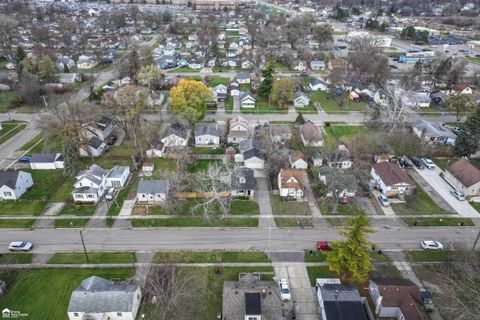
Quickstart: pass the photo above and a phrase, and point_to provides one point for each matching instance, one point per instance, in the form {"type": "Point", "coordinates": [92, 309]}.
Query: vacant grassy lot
{"type": "Point", "coordinates": [202, 165]}
{"type": "Point", "coordinates": [209, 257]}
{"type": "Point", "coordinates": [116, 155]}
{"type": "Point", "coordinates": [281, 207]}
{"type": "Point", "coordinates": [328, 102]}
{"type": "Point", "coordinates": [93, 257]}
{"type": "Point", "coordinates": [162, 165]}
{"type": "Point", "coordinates": [215, 81]}
{"type": "Point", "coordinates": [15, 223]}
{"type": "Point", "coordinates": [263, 106]}
{"type": "Point", "coordinates": [244, 207]}
{"type": "Point", "coordinates": [337, 131]}
{"type": "Point", "coordinates": [443, 163]}
{"type": "Point", "coordinates": [15, 258]}
{"type": "Point", "coordinates": [70, 223]}
{"type": "Point", "coordinates": [45, 293]}
{"type": "Point", "coordinates": [438, 222]}
{"type": "Point", "coordinates": [326, 207]}
{"type": "Point", "coordinates": [78, 210]}
{"type": "Point", "coordinates": [45, 184]}
{"type": "Point", "coordinates": [22, 208]}
{"type": "Point", "coordinates": [195, 222]}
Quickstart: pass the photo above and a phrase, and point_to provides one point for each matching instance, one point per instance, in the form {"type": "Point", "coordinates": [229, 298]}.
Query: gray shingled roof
{"type": "Point", "coordinates": [248, 144]}
{"type": "Point", "coordinates": [94, 142]}
{"type": "Point", "coordinates": [46, 157]}
{"type": "Point", "coordinates": [176, 129]}
{"type": "Point", "coordinates": [252, 153]}
{"type": "Point", "coordinates": [8, 178]}
{"type": "Point", "coordinates": [99, 295]}
{"type": "Point", "coordinates": [433, 129]}
{"type": "Point", "coordinates": [206, 128]}
{"type": "Point", "coordinates": [117, 171]}
{"type": "Point", "coordinates": [153, 186]}
{"type": "Point", "coordinates": [246, 173]}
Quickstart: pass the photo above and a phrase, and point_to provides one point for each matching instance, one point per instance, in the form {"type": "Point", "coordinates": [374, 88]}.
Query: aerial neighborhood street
{"type": "Point", "coordinates": [239, 159]}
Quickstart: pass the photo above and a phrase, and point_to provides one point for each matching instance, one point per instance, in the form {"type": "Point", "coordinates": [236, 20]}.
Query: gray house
{"type": "Point", "coordinates": [243, 182]}
{"type": "Point", "coordinates": [434, 133]}
{"type": "Point", "coordinates": [206, 135]}
{"type": "Point", "coordinates": [152, 191]}
{"type": "Point", "coordinates": [13, 184]}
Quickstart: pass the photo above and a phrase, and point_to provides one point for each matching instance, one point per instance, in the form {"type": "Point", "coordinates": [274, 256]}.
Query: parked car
{"type": "Point", "coordinates": [428, 163]}
{"type": "Point", "coordinates": [285, 294]}
{"type": "Point", "coordinates": [432, 245]}
{"type": "Point", "coordinates": [427, 302]}
{"type": "Point", "coordinates": [111, 193]}
{"type": "Point", "coordinates": [111, 140]}
{"type": "Point", "coordinates": [392, 66]}
{"type": "Point", "coordinates": [343, 200]}
{"type": "Point", "coordinates": [25, 159]}
{"type": "Point", "coordinates": [383, 200]}
{"type": "Point", "coordinates": [324, 246]}
{"type": "Point", "coordinates": [20, 246]}
{"type": "Point", "coordinates": [404, 162]}
{"type": "Point", "coordinates": [417, 162]}
{"type": "Point", "coordinates": [458, 194]}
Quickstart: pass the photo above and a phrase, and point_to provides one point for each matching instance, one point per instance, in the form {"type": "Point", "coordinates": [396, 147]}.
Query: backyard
{"type": "Point", "coordinates": [281, 207]}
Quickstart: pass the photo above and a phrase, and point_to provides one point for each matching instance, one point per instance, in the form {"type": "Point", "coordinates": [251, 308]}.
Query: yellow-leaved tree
{"type": "Point", "coordinates": [189, 100]}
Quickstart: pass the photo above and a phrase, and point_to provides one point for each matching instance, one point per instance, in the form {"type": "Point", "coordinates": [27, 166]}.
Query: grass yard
{"type": "Point", "coordinates": [32, 143]}
{"type": "Point", "coordinates": [438, 222]}
{"type": "Point", "coordinates": [45, 184]}
{"type": "Point", "coordinates": [215, 81]}
{"type": "Point", "coordinates": [476, 206]}
{"type": "Point", "coordinates": [78, 210]}
{"type": "Point", "coordinates": [232, 33]}
{"type": "Point", "coordinates": [195, 222]}
{"type": "Point", "coordinates": [319, 272]}
{"type": "Point", "coordinates": [64, 192]}
{"type": "Point", "coordinates": [474, 60]}
{"type": "Point", "coordinates": [5, 99]}
{"type": "Point", "coordinates": [428, 255]}
{"type": "Point", "coordinates": [263, 106]}
{"type": "Point", "coordinates": [443, 163]}
{"type": "Point", "coordinates": [70, 223]}
{"type": "Point", "coordinates": [317, 256]}
{"type": "Point", "coordinates": [281, 207]}
{"type": "Point", "coordinates": [16, 223]}
{"type": "Point", "coordinates": [22, 208]}
{"type": "Point", "coordinates": [310, 109]}
{"type": "Point", "coordinates": [337, 131]}
{"type": "Point", "coordinates": [202, 165]}
{"type": "Point", "coordinates": [124, 194]}
{"type": "Point", "coordinates": [326, 208]}
{"type": "Point", "coordinates": [293, 223]}
{"type": "Point", "coordinates": [244, 207]}
{"type": "Point", "coordinates": [229, 104]}
{"type": "Point", "coordinates": [161, 165]}
{"type": "Point", "coordinates": [328, 102]}
{"type": "Point", "coordinates": [209, 256]}
{"type": "Point", "coordinates": [15, 258]}
{"type": "Point", "coordinates": [10, 129]}
{"type": "Point", "coordinates": [93, 257]}
{"type": "Point", "coordinates": [116, 155]}
{"type": "Point", "coordinates": [45, 293]}
{"type": "Point", "coordinates": [207, 150]}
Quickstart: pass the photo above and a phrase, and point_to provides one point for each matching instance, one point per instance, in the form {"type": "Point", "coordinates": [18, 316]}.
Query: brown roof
{"type": "Point", "coordinates": [391, 173]}
{"type": "Point", "coordinates": [310, 132]}
{"type": "Point", "coordinates": [297, 155]}
{"type": "Point", "coordinates": [459, 86]}
{"type": "Point", "coordinates": [401, 293]}
{"type": "Point", "coordinates": [287, 174]}
{"type": "Point", "coordinates": [465, 172]}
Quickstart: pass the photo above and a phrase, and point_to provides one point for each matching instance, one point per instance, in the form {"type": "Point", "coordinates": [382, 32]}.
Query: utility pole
{"type": "Point", "coordinates": [84, 248]}
{"type": "Point", "coordinates": [476, 241]}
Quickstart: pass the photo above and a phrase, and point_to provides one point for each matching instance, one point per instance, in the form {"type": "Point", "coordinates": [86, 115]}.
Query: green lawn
{"type": "Point", "coordinates": [45, 184]}
{"type": "Point", "coordinates": [440, 222]}
{"type": "Point", "coordinates": [326, 207]}
{"type": "Point", "coordinates": [281, 207]}
{"type": "Point", "coordinates": [476, 206]}
{"type": "Point", "coordinates": [443, 163]}
{"type": "Point", "coordinates": [215, 81]}
{"type": "Point", "coordinates": [207, 150]}
{"type": "Point", "coordinates": [93, 257]}
{"type": "Point", "coordinates": [10, 129]}
{"type": "Point", "coordinates": [70, 223]}
{"type": "Point", "coordinates": [263, 106]}
{"type": "Point", "coordinates": [195, 222]}
{"type": "Point", "coordinates": [337, 131]}
{"type": "Point", "coordinates": [15, 258]}
{"type": "Point", "coordinates": [474, 60]}
{"type": "Point", "coordinates": [122, 196]}
{"type": "Point", "coordinates": [229, 104]}
{"type": "Point", "coordinates": [162, 165]}
{"type": "Point", "coordinates": [209, 257]}
{"type": "Point", "coordinates": [78, 210]}
{"type": "Point", "coordinates": [32, 143]}
{"type": "Point", "coordinates": [328, 102]}
{"type": "Point", "coordinates": [317, 256]}
{"type": "Point", "coordinates": [16, 223]}
{"type": "Point", "coordinates": [319, 272]}
{"type": "Point", "coordinates": [244, 207]}
{"type": "Point", "coordinates": [310, 109]}
{"type": "Point", "coordinates": [202, 165]}
{"type": "Point", "coordinates": [232, 33]}
{"type": "Point", "coordinates": [428, 255]}
{"type": "Point", "coordinates": [5, 99]}
{"type": "Point", "coordinates": [293, 223]}
{"type": "Point", "coordinates": [45, 293]}
{"type": "Point", "coordinates": [64, 192]}
{"type": "Point", "coordinates": [116, 155]}
{"type": "Point", "coordinates": [22, 207]}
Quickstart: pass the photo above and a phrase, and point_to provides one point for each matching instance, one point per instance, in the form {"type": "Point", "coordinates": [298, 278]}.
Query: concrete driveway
{"type": "Point", "coordinates": [463, 208]}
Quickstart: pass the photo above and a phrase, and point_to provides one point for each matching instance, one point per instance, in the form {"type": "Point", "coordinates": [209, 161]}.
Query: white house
{"type": "Point", "coordinates": [317, 65]}
{"type": "Point", "coordinates": [86, 62]}
{"type": "Point", "coordinates": [243, 78]}
{"type": "Point", "coordinates": [300, 66]}
{"type": "Point", "coordinates": [97, 298]}
{"type": "Point", "coordinates": [206, 135]}
{"type": "Point", "coordinates": [13, 184]}
{"type": "Point", "coordinates": [176, 135]}
{"type": "Point", "coordinates": [434, 133]}
{"type": "Point", "coordinates": [290, 183]}
{"type": "Point", "coordinates": [46, 161]}
{"type": "Point", "coordinates": [117, 176]}
{"type": "Point", "coordinates": [239, 130]}
{"type": "Point", "coordinates": [67, 78]}
{"type": "Point", "coordinates": [247, 100]}
{"type": "Point", "coordinates": [152, 191]}
{"type": "Point", "coordinates": [96, 148]}
{"type": "Point", "coordinates": [300, 100]}
{"type": "Point", "coordinates": [253, 159]}
{"type": "Point", "coordinates": [464, 176]}
{"type": "Point", "coordinates": [298, 161]}
{"type": "Point", "coordinates": [389, 178]}
{"type": "Point", "coordinates": [318, 85]}
{"type": "Point", "coordinates": [219, 92]}
{"type": "Point", "coordinates": [156, 151]}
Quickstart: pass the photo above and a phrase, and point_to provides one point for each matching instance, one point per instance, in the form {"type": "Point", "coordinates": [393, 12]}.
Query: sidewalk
{"type": "Point", "coordinates": [52, 210]}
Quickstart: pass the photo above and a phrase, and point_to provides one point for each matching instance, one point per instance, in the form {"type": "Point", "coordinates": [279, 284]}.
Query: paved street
{"type": "Point", "coordinates": [8, 150]}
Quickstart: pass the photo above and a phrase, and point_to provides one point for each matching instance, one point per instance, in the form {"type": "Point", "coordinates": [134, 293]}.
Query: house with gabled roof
{"type": "Point", "coordinates": [390, 179]}
{"type": "Point", "coordinates": [311, 135]}
{"type": "Point", "coordinates": [175, 135]}
{"type": "Point", "coordinates": [464, 176]}
{"type": "Point", "coordinates": [300, 100]}
{"type": "Point", "coordinates": [238, 131]}
{"type": "Point", "coordinates": [243, 182]}
{"type": "Point", "coordinates": [13, 184]}
{"type": "Point", "coordinates": [47, 161]}
{"type": "Point", "coordinates": [290, 183]}
{"type": "Point", "coordinates": [207, 135]}
{"type": "Point", "coordinates": [247, 100]}
{"type": "Point", "coordinates": [253, 159]}
{"type": "Point", "coordinates": [152, 191]}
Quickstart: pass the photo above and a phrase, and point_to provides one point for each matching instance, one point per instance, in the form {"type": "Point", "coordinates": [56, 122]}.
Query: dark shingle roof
{"type": "Point", "coordinates": [249, 179]}
{"type": "Point", "coordinates": [153, 186]}
{"type": "Point", "coordinates": [252, 153]}
{"type": "Point", "coordinates": [465, 172]}
{"type": "Point", "coordinates": [206, 128]}
{"type": "Point", "coordinates": [8, 178]}
{"type": "Point", "coordinates": [176, 129]}
{"type": "Point", "coordinates": [253, 304]}
{"type": "Point", "coordinates": [46, 157]}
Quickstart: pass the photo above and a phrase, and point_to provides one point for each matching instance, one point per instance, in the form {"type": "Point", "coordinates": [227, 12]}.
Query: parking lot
{"type": "Point", "coordinates": [432, 176]}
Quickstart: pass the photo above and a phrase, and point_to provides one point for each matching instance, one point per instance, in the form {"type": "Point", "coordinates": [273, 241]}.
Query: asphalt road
{"type": "Point", "coordinates": [57, 240]}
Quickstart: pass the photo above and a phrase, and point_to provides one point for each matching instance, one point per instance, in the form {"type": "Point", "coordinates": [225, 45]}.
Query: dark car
{"type": "Point", "coordinates": [111, 140]}
{"type": "Point", "coordinates": [25, 159]}
{"type": "Point", "coordinates": [417, 162]}
{"type": "Point", "coordinates": [404, 162]}
{"type": "Point", "coordinates": [393, 66]}
{"type": "Point", "coordinates": [427, 302]}
{"type": "Point", "coordinates": [324, 246]}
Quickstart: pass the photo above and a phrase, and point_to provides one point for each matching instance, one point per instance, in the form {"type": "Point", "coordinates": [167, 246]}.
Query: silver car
{"type": "Point", "coordinates": [458, 194]}
{"type": "Point", "coordinates": [20, 246]}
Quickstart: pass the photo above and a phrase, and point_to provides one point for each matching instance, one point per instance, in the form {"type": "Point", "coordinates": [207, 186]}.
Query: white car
{"type": "Point", "coordinates": [111, 193]}
{"type": "Point", "coordinates": [432, 245]}
{"type": "Point", "coordinates": [20, 246]}
{"type": "Point", "coordinates": [428, 163]}
{"type": "Point", "coordinates": [383, 200]}
{"type": "Point", "coordinates": [285, 294]}
{"type": "Point", "coordinates": [459, 195]}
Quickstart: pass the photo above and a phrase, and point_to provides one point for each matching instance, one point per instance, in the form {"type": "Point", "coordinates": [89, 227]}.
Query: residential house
{"type": "Point", "coordinates": [157, 150]}
{"type": "Point", "coordinates": [46, 161]}
{"type": "Point", "coordinates": [253, 159]}
{"type": "Point", "coordinates": [248, 144]}
{"type": "Point", "coordinates": [96, 148]}
{"type": "Point", "coordinates": [176, 135]}
{"type": "Point", "coordinates": [86, 62]}
{"type": "Point", "coordinates": [464, 176]}
{"type": "Point", "coordinates": [300, 66]}
{"type": "Point", "coordinates": [290, 183]}
{"type": "Point", "coordinates": [152, 191]}
{"type": "Point", "coordinates": [239, 130]}
{"type": "Point", "coordinates": [247, 64]}
{"type": "Point", "coordinates": [155, 99]}
{"type": "Point", "coordinates": [438, 97]}
{"type": "Point", "coordinates": [397, 298]}
{"type": "Point", "coordinates": [416, 99]}
{"type": "Point", "coordinates": [316, 65]}
{"type": "Point", "coordinates": [243, 78]}
{"type": "Point", "coordinates": [311, 135]}
{"type": "Point", "coordinates": [13, 184]}
{"type": "Point", "coordinates": [234, 89]}
{"type": "Point", "coordinates": [64, 63]}
{"type": "Point", "coordinates": [97, 298]}
{"type": "Point", "coordinates": [298, 160]}
{"type": "Point", "coordinates": [102, 127]}
{"type": "Point", "coordinates": [68, 78]}
{"type": "Point", "coordinates": [117, 176]}
{"type": "Point", "coordinates": [280, 133]}
{"type": "Point", "coordinates": [251, 299]}
{"type": "Point", "coordinates": [345, 183]}
{"type": "Point", "coordinates": [220, 92]}
{"type": "Point", "coordinates": [300, 100]}
{"type": "Point", "coordinates": [340, 159]}
{"type": "Point", "coordinates": [206, 135]}
{"type": "Point", "coordinates": [390, 179]}
{"type": "Point", "coordinates": [243, 182]}
{"type": "Point", "coordinates": [247, 100]}
{"type": "Point", "coordinates": [340, 301]}
{"type": "Point", "coordinates": [318, 85]}
{"type": "Point", "coordinates": [434, 133]}
{"type": "Point", "coordinates": [461, 88]}
{"type": "Point", "coordinates": [195, 64]}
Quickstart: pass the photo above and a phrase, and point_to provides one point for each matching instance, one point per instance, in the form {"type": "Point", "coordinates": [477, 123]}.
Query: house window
{"type": "Point", "coordinates": [7, 194]}
{"type": "Point", "coordinates": [90, 196]}
{"type": "Point", "coordinates": [119, 314]}
{"type": "Point", "coordinates": [79, 196]}
{"type": "Point", "coordinates": [75, 314]}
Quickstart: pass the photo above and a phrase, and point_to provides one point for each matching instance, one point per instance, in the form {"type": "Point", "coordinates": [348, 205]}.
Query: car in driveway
{"type": "Point", "coordinates": [417, 162]}
{"type": "Point", "coordinates": [383, 200]}
{"type": "Point", "coordinates": [324, 246]}
{"type": "Point", "coordinates": [459, 195]}
{"type": "Point", "coordinates": [25, 159]}
{"type": "Point", "coordinates": [431, 245]}
{"type": "Point", "coordinates": [427, 302]}
{"type": "Point", "coordinates": [428, 163]}
{"type": "Point", "coordinates": [111, 193]}
{"type": "Point", "coordinates": [285, 294]}
{"type": "Point", "coordinates": [20, 246]}
{"type": "Point", "coordinates": [111, 140]}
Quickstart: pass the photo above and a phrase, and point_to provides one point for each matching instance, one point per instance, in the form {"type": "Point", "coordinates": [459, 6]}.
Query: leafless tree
{"type": "Point", "coordinates": [8, 30]}
{"type": "Point", "coordinates": [207, 33]}
{"type": "Point", "coordinates": [173, 291]}
{"type": "Point", "coordinates": [392, 109]}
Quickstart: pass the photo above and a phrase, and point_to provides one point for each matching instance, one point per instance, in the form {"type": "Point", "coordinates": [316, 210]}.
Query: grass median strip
{"type": "Point", "coordinates": [6, 134]}
{"type": "Point", "coordinates": [70, 223]}
{"type": "Point", "coordinates": [15, 258]}
{"type": "Point", "coordinates": [293, 223]}
{"type": "Point", "coordinates": [16, 223]}
{"type": "Point", "coordinates": [209, 257]}
{"type": "Point", "coordinates": [195, 222]}
{"type": "Point", "coordinates": [438, 222]}
{"type": "Point", "coordinates": [93, 257]}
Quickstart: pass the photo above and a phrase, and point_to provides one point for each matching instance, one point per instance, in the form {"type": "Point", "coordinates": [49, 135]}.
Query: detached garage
{"type": "Point", "coordinates": [47, 161]}
{"type": "Point", "coordinates": [253, 159]}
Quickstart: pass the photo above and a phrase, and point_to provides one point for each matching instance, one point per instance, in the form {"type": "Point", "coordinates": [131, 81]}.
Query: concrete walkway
{"type": "Point", "coordinates": [312, 203]}
{"type": "Point", "coordinates": [52, 209]}
{"type": "Point", "coordinates": [41, 258]}
{"type": "Point", "coordinates": [100, 212]}
{"type": "Point", "coordinates": [143, 267]}
{"type": "Point", "coordinates": [126, 211]}
{"type": "Point", "coordinates": [262, 195]}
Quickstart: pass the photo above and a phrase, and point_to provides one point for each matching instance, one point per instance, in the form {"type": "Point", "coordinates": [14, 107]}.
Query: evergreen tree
{"type": "Point", "coordinates": [72, 164]}
{"type": "Point", "coordinates": [20, 56]}
{"type": "Point", "coordinates": [468, 140]}
{"type": "Point", "coordinates": [266, 86]}
{"type": "Point", "coordinates": [300, 120]}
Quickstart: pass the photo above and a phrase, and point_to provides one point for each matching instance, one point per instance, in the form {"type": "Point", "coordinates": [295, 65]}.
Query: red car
{"type": "Point", "coordinates": [324, 246]}
{"type": "Point", "coordinates": [343, 200]}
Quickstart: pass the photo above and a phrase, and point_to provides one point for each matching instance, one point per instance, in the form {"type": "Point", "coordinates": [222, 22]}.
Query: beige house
{"type": "Point", "coordinates": [464, 176]}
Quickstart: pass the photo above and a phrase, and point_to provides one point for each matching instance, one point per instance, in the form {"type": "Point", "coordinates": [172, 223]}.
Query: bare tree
{"type": "Point", "coordinates": [8, 30]}
{"type": "Point", "coordinates": [392, 109]}
{"type": "Point", "coordinates": [207, 33]}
